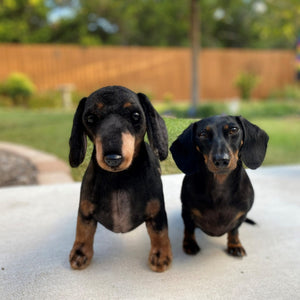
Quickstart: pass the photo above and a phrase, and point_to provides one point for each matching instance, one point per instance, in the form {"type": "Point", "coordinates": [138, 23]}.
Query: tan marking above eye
{"type": "Point", "coordinates": [100, 105]}
{"type": "Point", "coordinates": [127, 104]}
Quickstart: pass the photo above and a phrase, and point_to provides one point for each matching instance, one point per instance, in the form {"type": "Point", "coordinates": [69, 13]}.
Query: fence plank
{"type": "Point", "coordinates": [156, 71]}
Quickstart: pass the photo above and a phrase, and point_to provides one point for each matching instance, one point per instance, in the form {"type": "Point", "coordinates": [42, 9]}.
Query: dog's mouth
{"type": "Point", "coordinates": [219, 171]}
{"type": "Point", "coordinates": [116, 161]}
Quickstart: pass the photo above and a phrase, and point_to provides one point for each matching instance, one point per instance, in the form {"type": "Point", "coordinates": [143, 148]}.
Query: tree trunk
{"type": "Point", "coordinates": [194, 27]}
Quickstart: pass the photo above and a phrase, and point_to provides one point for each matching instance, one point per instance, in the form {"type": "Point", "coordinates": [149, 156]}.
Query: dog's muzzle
{"type": "Point", "coordinates": [221, 160]}
{"type": "Point", "coordinates": [113, 160]}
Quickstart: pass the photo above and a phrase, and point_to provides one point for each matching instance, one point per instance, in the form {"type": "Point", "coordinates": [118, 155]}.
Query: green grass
{"type": "Point", "coordinates": [50, 130]}
{"type": "Point", "coordinates": [284, 143]}
{"type": "Point", "coordinates": [45, 130]}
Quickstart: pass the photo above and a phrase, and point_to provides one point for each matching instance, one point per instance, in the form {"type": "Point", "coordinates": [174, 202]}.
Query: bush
{"type": "Point", "coordinates": [49, 99]}
{"type": "Point", "coordinates": [18, 87]}
{"type": "Point", "coordinates": [182, 110]}
{"type": "Point", "coordinates": [5, 101]}
{"type": "Point", "coordinates": [254, 109]}
{"type": "Point", "coordinates": [209, 109]}
{"type": "Point", "coordinates": [246, 82]}
{"type": "Point", "coordinates": [269, 109]}
{"type": "Point", "coordinates": [289, 92]}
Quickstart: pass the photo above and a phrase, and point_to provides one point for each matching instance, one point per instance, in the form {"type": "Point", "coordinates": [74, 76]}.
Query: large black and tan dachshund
{"type": "Point", "coordinates": [121, 187]}
{"type": "Point", "coordinates": [216, 193]}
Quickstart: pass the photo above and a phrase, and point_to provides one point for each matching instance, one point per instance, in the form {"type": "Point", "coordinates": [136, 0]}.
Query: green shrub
{"type": "Point", "coordinates": [246, 82]}
{"type": "Point", "coordinates": [18, 87]}
{"type": "Point", "coordinates": [209, 109]}
{"type": "Point", "coordinates": [289, 92]}
{"type": "Point", "coordinates": [269, 109]}
{"type": "Point", "coordinates": [77, 96]}
{"type": "Point", "coordinates": [49, 99]}
{"type": "Point", "coordinates": [261, 109]}
{"type": "Point", "coordinates": [182, 110]}
{"type": "Point", "coordinates": [5, 101]}
{"type": "Point", "coordinates": [168, 98]}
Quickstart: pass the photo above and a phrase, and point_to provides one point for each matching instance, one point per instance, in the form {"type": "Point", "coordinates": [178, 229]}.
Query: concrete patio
{"type": "Point", "coordinates": [37, 229]}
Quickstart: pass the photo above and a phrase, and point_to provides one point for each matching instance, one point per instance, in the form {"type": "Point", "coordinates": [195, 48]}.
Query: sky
{"type": "Point", "coordinates": [60, 12]}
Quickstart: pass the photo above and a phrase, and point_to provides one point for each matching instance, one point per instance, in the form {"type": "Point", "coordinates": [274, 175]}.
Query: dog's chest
{"type": "Point", "coordinates": [216, 221]}
{"type": "Point", "coordinates": [117, 211]}
{"type": "Point", "coordinates": [121, 211]}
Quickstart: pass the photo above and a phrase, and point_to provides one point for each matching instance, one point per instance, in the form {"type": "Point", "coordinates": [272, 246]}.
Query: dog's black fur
{"type": "Point", "coordinates": [216, 192]}
{"type": "Point", "coordinates": [121, 187]}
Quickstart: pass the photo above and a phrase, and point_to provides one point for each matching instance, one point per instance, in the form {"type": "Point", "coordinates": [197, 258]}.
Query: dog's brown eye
{"type": "Point", "coordinates": [91, 119]}
{"type": "Point", "coordinates": [136, 116]}
{"type": "Point", "coordinates": [233, 130]}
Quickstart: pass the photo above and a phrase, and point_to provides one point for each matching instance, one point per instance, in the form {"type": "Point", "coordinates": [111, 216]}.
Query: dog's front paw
{"type": "Point", "coordinates": [160, 259]}
{"type": "Point", "coordinates": [190, 247]}
{"type": "Point", "coordinates": [236, 250]}
{"type": "Point", "coordinates": [80, 256]}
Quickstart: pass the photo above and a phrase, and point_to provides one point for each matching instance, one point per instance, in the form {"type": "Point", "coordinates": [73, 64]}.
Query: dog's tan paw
{"type": "Point", "coordinates": [236, 250]}
{"type": "Point", "coordinates": [80, 256]}
{"type": "Point", "coordinates": [160, 259]}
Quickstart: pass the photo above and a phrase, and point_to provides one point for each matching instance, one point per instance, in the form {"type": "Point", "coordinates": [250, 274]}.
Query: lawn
{"type": "Point", "coordinates": [49, 131]}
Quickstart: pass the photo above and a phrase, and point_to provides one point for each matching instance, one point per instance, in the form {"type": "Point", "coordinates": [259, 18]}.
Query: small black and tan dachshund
{"type": "Point", "coordinates": [121, 187]}
{"type": "Point", "coordinates": [216, 192]}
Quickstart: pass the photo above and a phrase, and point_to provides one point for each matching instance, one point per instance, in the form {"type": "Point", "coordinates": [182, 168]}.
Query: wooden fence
{"type": "Point", "coordinates": [156, 71]}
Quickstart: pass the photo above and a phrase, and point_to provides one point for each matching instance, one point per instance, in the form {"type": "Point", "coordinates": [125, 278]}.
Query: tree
{"type": "Point", "coordinates": [224, 23]}
{"type": "Point", "coordinates": [281, 26]}
{"type": "Point", "coordinates": [138, 22]}
{"type": "Point", "coordinates": [250, 24]}
{"type": "Point", "coordinates": [23, 21]}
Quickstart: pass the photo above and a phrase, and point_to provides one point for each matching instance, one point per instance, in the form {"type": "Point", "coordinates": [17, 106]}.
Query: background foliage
{"type": "Point", "coordinates": [224, 23]}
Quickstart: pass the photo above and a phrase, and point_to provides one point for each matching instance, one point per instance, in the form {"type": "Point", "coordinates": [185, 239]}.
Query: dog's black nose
{"type": "Point", "coordinates": [221, 160]}
{"type": "Point", "coordinates": [113, 160]}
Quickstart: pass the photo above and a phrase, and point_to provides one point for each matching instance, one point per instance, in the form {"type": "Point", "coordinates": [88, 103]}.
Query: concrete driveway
{"type": "Point", "coordinates": [37, 229]}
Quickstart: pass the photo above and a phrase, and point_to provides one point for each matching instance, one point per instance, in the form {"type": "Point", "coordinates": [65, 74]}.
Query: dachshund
{"type": "Point", "coordinates": [216, 193]}
{"type": "Point", "coordinates": [121, 187]}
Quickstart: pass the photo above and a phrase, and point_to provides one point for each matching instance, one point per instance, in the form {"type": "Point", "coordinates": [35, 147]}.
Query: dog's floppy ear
{"type": "Point", "coordinates": [78, 142]}
{"type": "Point", "coordinates": [156, 128]}
{"type": "Point", "coordinates": [184, 151]}
{"type": "Point", "coordinates": [254, 146]}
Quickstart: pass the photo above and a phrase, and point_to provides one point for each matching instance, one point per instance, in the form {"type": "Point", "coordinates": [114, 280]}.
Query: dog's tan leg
{"type": "Point", "coordinates": [160, 257]}
{"type": "Point", "coordinates": [82, 251]}
{"type": "Point", "coordinates": [234, 246]}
